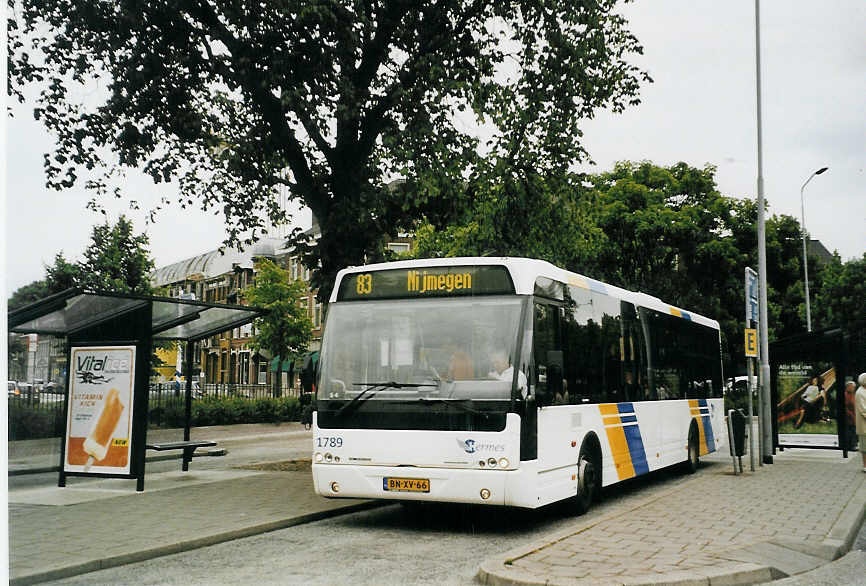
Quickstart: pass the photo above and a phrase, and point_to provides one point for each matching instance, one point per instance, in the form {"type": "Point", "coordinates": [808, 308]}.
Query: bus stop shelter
{"type": "Point", "coordinates": [812, 377]}
{"type": "Point", "coordinates": [109, 343]}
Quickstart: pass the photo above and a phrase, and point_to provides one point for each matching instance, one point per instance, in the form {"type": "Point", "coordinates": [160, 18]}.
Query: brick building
{"type": "Point", "coordinates": [220, 278]}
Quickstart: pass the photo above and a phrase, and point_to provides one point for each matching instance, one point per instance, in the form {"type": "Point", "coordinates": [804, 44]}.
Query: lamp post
{"type": "Point", "coordinates": [765, 422]}
{"type": "Point", "coordinates": [805, 257]}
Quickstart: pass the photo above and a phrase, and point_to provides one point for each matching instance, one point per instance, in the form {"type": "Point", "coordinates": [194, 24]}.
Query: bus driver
{"type": "Point", "coordinates": [502, 370]}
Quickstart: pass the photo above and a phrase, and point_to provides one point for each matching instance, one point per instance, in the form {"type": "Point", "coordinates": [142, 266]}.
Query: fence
{"type": "Point", "coordinates": [40, 414]}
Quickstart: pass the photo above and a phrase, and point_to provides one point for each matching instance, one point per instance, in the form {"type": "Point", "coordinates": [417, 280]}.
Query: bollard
{"type": "Point", "coordinates": [737, 438]}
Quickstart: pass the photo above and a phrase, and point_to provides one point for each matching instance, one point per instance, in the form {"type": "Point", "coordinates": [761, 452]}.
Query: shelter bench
{"type": "Point", "coordinates": [188, 447]}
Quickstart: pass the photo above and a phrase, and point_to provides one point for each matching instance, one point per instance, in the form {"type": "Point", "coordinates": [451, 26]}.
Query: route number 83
{"type": "Point", "coordinates": [364, 284]}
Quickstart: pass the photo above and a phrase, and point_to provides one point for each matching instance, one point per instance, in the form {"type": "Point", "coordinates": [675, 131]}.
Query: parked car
{"type": "Point", "coordinates": [22, 391]}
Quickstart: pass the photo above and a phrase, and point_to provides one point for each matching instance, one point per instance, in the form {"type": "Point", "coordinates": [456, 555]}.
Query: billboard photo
{"type": "Point", "coordinates": [99, 424]}
{"type": "Point", "coordinates": [807, 401]}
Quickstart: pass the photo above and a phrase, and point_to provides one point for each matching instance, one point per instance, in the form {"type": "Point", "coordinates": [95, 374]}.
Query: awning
{"type": "Point", "coordinates": [171, 319]}
{"type": "Point", "coordinates": [287, 364]}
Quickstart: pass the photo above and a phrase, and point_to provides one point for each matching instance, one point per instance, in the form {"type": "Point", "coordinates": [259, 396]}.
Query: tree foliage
{"type": "Point", "coordinates": [62, 275]}
{"type": "Point", "coordinates": [328, 100]}
{"type": "Point", "coordinates": [28, 294]}
{"type": "Point", "coordinates": [666, 231]}
{"type": "Point", "coordinates": [116, 260]}
{"type": "Point", "coordinates": [517, 212]}
{"type": "Point", "coordinates": [285, 330]}
{"type": "Point", "coordinates": [841, 298]}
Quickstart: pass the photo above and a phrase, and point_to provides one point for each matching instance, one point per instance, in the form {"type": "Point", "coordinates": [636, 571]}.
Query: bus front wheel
{"type": "Point", "coordinates": [588, 477]}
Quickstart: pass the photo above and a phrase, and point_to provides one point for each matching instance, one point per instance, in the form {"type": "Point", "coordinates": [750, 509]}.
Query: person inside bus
{"type": "Point", "coordinates": [460, 365]}
{"type": "Point", "coordinates": [502, 370]}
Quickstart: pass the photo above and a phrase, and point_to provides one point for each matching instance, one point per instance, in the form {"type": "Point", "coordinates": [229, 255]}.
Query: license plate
{"type": "Point", "coordinates": [406, 484]}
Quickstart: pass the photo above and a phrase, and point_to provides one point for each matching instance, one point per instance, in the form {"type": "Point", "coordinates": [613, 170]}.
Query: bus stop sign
{"type": "Point", "coordinates": [751, 343]}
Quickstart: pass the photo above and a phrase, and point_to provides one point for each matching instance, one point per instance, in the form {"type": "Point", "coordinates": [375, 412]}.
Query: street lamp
{"type": "Point", "coordinates": [805, 258]}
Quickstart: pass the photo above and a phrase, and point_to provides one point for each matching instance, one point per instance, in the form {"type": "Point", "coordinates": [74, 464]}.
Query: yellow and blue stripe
{"type": "Point", "coordinates": [701, 412]}
{"type": "Point", "coordinates": [624, 439]}
{"type": "Point", "coordinates": [680, 313]}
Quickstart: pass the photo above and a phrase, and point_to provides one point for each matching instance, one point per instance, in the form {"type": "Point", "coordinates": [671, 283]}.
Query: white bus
{"type": "Point", "coordinates": [506, 381]}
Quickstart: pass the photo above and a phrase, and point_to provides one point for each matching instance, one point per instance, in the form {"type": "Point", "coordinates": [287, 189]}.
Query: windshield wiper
{"type": "Point", "coordinates": [459, 403]}
{"type": "Point", "coordinates": [373, 389]}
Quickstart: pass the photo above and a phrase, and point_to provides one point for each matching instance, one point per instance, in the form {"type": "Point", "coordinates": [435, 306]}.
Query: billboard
{"type": "Point", "coordinates": [99, 424]}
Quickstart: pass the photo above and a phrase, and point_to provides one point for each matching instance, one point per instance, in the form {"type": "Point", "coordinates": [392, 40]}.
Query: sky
{"type": "Point", "coordinates": [700, 109]}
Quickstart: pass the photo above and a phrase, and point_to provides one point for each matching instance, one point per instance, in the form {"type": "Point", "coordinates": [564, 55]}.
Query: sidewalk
{"type": "Point", "coordinates": [784, 519]}
{"type": "Point", "coordinates": [43, 455]}
{"type": "Point", "coordinates": [99, 523]}
{"type": "Point", "coordinates": [713, 528]}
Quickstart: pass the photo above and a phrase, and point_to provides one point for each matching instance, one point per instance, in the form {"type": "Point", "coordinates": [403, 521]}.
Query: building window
{"type": "Point", "coordinates": [317, 316]}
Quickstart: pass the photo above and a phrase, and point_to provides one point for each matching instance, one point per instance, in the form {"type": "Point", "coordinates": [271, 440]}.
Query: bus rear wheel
{"type": "Point", "coordinates": [588, 479]}
{"type": "Point", "coordinates": [694, 456]}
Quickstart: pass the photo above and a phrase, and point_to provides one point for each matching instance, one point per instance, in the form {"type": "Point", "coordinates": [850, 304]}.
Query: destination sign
{"type": "Point", "coordinates": [426, 282]}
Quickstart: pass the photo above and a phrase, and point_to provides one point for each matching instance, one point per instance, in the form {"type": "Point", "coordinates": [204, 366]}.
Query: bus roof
{"type": "Point", "coordinates": [524, 272]}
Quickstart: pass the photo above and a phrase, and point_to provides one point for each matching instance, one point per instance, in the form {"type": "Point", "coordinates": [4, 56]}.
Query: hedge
{"type": "Point", "coordinates": [227, 411]}
{"type": "Point", "coordinates": [26, 422]}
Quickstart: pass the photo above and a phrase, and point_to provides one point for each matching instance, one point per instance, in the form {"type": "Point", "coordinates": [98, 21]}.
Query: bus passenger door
{"type": "Point", "coordinates": [554, 424]}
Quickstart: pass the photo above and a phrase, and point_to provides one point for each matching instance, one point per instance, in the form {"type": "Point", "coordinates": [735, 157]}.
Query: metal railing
{"type": "Point", "coordinates": [164, 402]}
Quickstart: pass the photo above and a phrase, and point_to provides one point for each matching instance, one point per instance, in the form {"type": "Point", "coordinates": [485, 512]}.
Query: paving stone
{"type": "Point", "coordinates": [679, 538]}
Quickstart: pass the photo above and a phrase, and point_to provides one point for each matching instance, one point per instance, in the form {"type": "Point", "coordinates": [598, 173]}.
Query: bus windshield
{"type": "Point", "coordinates": [454, 350]}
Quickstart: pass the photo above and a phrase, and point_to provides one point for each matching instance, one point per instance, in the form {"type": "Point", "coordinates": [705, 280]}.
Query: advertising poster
{"type": "Point", "coordinates": [99, 428]}
{"type": "Point", "coordinates": [807, 404]}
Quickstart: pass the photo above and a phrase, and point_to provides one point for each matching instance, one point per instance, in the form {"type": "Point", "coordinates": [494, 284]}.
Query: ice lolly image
{"type": "Point", "coordinates": [97, 442]}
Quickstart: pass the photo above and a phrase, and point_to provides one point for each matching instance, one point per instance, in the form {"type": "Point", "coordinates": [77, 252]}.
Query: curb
{"type": "Point", "coordinates": [139, 556]}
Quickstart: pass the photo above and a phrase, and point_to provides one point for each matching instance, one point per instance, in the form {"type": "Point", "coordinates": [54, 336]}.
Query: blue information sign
{"type": "Point", "coordinates": [751, 295]}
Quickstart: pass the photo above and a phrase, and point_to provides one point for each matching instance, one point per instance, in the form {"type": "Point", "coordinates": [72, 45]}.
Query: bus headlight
{"type": "Point", "coordinates": [485, 494]}
{"type": "Point", "coordinates": [491, 462]}
{"type": "Point", "coordinates": [318, 457]}
{"type": "Point", "coordinates": [328, 457]}
{"type": "Point", "coordinates": [335, 487]}
{"type": "Point", "coordinates": [503, 462]}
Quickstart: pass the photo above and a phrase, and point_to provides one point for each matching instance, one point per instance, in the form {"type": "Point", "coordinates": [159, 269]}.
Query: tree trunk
{"type": "Point", "coordinates": [278, 378]}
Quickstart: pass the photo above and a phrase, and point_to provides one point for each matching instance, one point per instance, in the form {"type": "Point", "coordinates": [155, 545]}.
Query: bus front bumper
{"type": "Point", "coordinates": [457, 485]}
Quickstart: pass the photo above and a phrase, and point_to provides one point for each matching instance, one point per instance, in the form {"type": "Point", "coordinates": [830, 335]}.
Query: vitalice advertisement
{"type": "Point", "coordinates": [99, 428]}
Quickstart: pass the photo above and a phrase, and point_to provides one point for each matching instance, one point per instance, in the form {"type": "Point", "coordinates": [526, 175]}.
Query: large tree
{"type": "Point", "coordinates": [327, 99]}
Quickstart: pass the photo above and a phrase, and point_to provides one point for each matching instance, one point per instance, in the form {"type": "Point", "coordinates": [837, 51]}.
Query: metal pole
{"type": "Point", "coordinates": [750, 389]}
{"type": "Point", "coordinates": [766, 450]}
{"type": "Point", "coordinates": [805, 257]}
{"type": "Point", "coordinates": [187, 411]}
